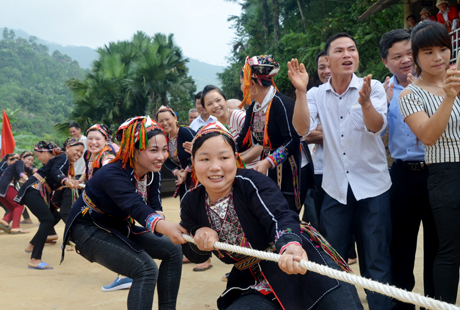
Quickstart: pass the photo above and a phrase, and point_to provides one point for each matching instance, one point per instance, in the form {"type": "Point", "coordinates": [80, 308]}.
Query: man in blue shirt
{"type": "Point", "coordinates": [409, 174]}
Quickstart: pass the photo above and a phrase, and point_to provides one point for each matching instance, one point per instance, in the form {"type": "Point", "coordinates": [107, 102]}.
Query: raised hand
{"type": "Point", "coordinates": [388, 89]}
{"type": "Point", "coordinates": [410, 78]}
{"type": "Point", "coordinates": [365, 92]}
{"type": "Point", "coordinates": [298, 75]}
{"type": "Point", "coordinates": [451, 84]}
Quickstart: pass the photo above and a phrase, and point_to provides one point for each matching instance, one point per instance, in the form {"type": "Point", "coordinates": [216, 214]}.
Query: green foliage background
{"type": "Point", "coordinates": [33, 83]}
{"type": "Point", "coordinates": [291, 36]}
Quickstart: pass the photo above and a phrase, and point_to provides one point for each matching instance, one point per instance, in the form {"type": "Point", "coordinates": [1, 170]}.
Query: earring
{"type": "Point", "coordinates": [257, 91]}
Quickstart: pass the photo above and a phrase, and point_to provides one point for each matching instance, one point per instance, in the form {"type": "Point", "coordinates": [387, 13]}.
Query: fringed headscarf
{"type": "Point", "coordinates": [105, 131]}
{"type": "Point", "coordinates": [47, 146]}
{"type": "Point", "coordinates": [9, 156]}
{"type": "Point", "coordinates": [26, 154]}
{"type": "Point", "coordinates": [215, 127]}
{"type": "Point", "coordinates": [72, 141]}
{"type": "Point", "coordinates": [165, 108]}
{"type": "Point", "coordinates": [263, 67]}
{"type": "Point", "coordinates": [131, 132]}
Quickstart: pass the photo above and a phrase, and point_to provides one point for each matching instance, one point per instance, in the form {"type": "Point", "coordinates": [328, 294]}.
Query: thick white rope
{"type": "Point", "coordinates": [372, 285]}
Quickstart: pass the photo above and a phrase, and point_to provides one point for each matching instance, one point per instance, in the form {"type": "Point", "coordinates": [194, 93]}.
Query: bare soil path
{"type": "Point", "coordinates": [76, 284]}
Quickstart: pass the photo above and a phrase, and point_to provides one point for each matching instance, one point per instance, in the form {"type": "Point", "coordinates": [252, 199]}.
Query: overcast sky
{"type": "Point", "coordinates": [200, 27]}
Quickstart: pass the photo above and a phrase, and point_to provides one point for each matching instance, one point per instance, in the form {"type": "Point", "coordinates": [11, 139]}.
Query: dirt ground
{"type": "Point", "coordinates": [76, 284]}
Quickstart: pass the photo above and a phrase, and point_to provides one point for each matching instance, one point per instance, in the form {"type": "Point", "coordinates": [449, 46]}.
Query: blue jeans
{"type": "Point", "coordinates": [97, 245]}
{"type": "Point", "coordinates": [370, 220]}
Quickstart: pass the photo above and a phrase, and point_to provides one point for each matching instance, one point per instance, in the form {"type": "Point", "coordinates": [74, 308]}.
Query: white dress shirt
{"type": "Point", "coordinates": [199, 122]}
{"type": "Point", "coordinates": [352, 154]}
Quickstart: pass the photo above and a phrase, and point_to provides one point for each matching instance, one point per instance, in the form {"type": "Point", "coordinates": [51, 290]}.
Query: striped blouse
{"type": "Point", "coordinates": [236, 122]}
{"type": "Point", "coordinates": [447, 147]}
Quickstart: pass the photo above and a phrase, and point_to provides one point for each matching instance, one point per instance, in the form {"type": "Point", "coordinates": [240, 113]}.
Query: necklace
{"type": "Point", "coordinates": [429, 83]}
{"type": "Point", "coordinates": [261, 107]}
{"type": "Point", "coordinates": [140, 181]}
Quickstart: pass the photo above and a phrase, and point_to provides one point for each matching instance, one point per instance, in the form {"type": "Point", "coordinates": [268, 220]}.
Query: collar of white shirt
{"type": "Point", "coordinates": [354, 83]}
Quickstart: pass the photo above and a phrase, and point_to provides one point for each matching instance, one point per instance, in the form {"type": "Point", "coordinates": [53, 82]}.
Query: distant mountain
{"type": "Point", "coordinates": [203, 73]}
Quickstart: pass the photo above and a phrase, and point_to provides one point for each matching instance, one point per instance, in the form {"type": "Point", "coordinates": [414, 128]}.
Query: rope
{"type": "Point", "coordinates": [385, 289]}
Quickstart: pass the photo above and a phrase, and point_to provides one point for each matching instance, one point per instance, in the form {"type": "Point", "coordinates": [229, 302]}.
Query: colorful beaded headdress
{"type": "Point", "coordinates": [215, 127]}
{"type": "Point", "coordinates": [129, 133]}
{"type": "Point", "coordinates": [103, 129]}
{"type": "Point", "coordinates": [263, 67]}
{"type": "Point", "coordinates": [47, 146]}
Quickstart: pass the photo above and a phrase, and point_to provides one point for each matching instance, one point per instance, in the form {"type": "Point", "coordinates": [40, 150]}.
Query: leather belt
{"type": "Point", "coordinates": [412, 165]}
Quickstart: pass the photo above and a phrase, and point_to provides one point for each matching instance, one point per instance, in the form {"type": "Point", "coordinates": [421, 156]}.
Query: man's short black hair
{"type": "Point", "coordinates": [74, 124]}
{"type": "Point", "coordinates": [413, 16]}
{"type": "Point", "coordinates": [321, 53]}
{"type": "Point", "coordinates": [390, 38]}
{"type": "Point", "coordinates": [198, 95]}
{"type": "Point", "coordinates": [335, 37]}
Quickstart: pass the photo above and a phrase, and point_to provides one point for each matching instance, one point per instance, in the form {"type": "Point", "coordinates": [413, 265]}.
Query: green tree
{"type": "Point", "coordinates": [299, 29]}
{"type": "Point", "coordinates": [131, 78]}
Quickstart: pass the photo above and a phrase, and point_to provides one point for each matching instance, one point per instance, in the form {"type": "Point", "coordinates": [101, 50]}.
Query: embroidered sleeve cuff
{"type": "Point", "coordinates": [174, 171]}
{"type": "Point", "coordinates": [288, 244]}
{"type": "Point", "coordinates": [279, 156]}
{"type": "Point", "coordinates": [152, 221]}
{"type": "Point", "coordinates": [188, 169]}
{"type": "Point", "coordinates": [63, 180]}
{"type": "Point", "coordinates": [21, 174]}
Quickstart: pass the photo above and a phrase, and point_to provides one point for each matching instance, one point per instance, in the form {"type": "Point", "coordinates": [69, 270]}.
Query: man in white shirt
{"type": "Point", "coordinates": [79, 165]}
{"type": "Point", "coordinates": [204, 117]}
{"type": "Point", "coordinates": [355, 168]}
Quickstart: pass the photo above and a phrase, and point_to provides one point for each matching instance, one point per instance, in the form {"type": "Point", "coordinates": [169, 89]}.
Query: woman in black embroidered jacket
{"type": "Point", "coordinates": [36, 193]}
{"type": "Point", "coordinates": [20, 171]}
{"type": "Point", "coordinates": [245, 208]}
{"type": "Point", "coordinates": [179, 159]}
{"type": "Point", "coordinates": [101, 222]}
{"type": "Point", "coordinates": [268, 123]}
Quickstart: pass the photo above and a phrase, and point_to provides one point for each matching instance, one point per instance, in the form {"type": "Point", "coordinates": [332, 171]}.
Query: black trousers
{"type": "Point", "coordinates": [47, 216]}
{"type": "Point", "coordinates": [443, 186]}
{"type": "Point", "coordinates": [410, 206]}
{"type": "Point", "coordinates": [63, 200]}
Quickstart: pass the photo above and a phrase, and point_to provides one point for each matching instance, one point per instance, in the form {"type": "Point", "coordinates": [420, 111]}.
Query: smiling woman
{"type": "Point", "coordinates": [102, 221]}
{"type": "Point", "coordinates": [178, 161]}
{"type": "Point", "coordinates": [431, 108]}
{"type": "Point", "coordinates": [243, 207]}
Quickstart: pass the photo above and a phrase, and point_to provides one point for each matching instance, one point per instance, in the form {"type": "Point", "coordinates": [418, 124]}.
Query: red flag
{"type": "Point", "coordinates": [8, 142]}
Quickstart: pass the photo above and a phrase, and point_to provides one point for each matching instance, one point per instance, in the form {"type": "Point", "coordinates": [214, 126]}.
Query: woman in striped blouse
{"type": "Point", "coordinates": [215, 103]}
{"type": "Point", "coordinates": [431, 108]}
